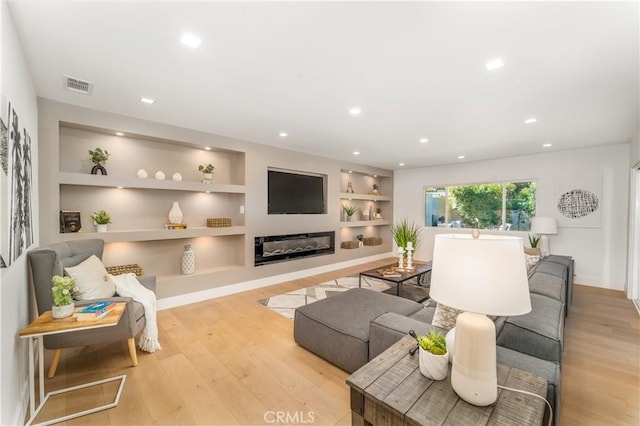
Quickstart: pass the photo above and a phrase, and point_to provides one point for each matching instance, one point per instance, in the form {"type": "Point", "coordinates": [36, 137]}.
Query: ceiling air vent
{"type": "Point", "coordinates": [77, 85]}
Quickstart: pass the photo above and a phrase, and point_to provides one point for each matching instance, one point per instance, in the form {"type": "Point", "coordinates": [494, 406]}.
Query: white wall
{"type": "Point", "coordinates": [16, 87]}
{"type": "Point", "coordinates": [600, 253]}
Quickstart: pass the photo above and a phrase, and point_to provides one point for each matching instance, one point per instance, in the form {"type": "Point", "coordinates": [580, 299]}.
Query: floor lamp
{"type": "Point", "coordinates": [544, 226]}
{"type": "Point", "coordinates": [481, 275]}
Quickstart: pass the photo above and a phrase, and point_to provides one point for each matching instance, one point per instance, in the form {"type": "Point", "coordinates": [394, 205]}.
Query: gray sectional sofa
{"type": "Point", "coordinates": [354, 327]}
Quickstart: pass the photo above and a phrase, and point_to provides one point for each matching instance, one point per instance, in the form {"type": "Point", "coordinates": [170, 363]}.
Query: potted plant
{"type": "Point", "coordinates": [101, 218]}
{"type": "Point", "coordinates": [62, 291]}
{"type": "Point", "coordinates": [375, 189]}
{"type": "Point", "coordinates": [434, 360]}
{"type": "Point", "coordinates": [378, 213]}
{"type": "Point", "coordinates": [207, 172]}
{"type": "Point", "coordinates": [98, 158]}
{"type": "Point", "coordinates": [360, 238]}
{"type": "Point", "coordinates": [349, 211]}
{"type": "Point", "coordinates": [405, 232]}
{"type": "Point", "coordinates": [534, 240]}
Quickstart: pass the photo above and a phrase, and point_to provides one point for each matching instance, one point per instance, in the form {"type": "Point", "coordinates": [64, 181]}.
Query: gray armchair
{"type": "Point", "coordinates": [47, 261]}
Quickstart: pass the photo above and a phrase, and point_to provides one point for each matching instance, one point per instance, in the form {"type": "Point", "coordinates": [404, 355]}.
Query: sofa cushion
{"type": "Point", "coordinates": [538, 333]}
{"type": "Point", "coordinates": [548, 285]}
{"type": "Point", "coordinates": [445, 316]}
{"type": "Point", "coordinates": [552, 268]}
{"type": "Point", "coordinates": [388, 328]}
{"type": "Point", "coordinates": [92, 279]}
{"type": "Point", "coordinates": [337, 328]}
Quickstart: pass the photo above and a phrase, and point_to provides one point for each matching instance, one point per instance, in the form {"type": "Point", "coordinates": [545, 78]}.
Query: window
{"type": "Point", "coordinates": [507, 206]}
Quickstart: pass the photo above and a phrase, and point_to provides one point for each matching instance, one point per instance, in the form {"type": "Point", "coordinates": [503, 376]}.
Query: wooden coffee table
{"type": "Point", "coordinates": [390, 390]}
{"type": "Point", "coordinates": [418, 273]}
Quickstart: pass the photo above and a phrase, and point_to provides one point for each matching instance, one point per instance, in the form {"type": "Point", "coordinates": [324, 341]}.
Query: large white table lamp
{"type": "Point", "coordinates": [481, 276]}
{"type": "Point", "coordinates": [544, 226]}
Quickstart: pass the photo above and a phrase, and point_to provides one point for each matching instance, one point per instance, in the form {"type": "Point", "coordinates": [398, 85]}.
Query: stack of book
{"type": "Point", "coordinates": [172, 226]}
{"type": "Point", "coordinates": [94, 311]}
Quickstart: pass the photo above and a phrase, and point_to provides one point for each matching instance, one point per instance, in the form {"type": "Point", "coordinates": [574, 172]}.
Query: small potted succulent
{"type": "Point", "coordinates": [101, 219]}
{"type": "Point", "coordinates": [99, 158]}
{"type": "Point", "coordinates": [349, 211]}
{"type": "Point", "coordinates": [62, 291]}
{"type": "Point", "coordinates": [207, 172]}
{"type": "Point", "coordinates": [434, 360]}
{"type": "Point", "coordinates": [534, 240]}
{"type": "Point", "coordinates": [378, 213]}
{"type": "Point", "coordinates": [375, 189]}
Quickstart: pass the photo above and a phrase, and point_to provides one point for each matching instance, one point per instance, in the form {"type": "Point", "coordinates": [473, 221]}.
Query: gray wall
{"type": "Point", "coordinates": [258, 158]}
{"type": "Point", "coordinates": [16, 87]}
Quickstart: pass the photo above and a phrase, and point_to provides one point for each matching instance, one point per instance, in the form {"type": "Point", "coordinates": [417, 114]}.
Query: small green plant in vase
{"type": "Point", "coordinates": [375, 188]}
{"type": "Point", "coordinates": [378, 213]}
{"type": "Point", "coordinates": [434, 360]}
{"type": "Point", "coordinates": [99, 158]}
{"type": "Point", "coordinates": [62, 291]}
{"type": "Point", "coordinates": [102, 219]}
{"type": "Point", "coordinates": [207, 172]}
{"type": "Point", "coordinates": [349, 211]}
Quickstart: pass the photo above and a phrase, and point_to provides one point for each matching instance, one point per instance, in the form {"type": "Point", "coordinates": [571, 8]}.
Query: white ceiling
{"type": "Point", "coordinates": [416, 70]}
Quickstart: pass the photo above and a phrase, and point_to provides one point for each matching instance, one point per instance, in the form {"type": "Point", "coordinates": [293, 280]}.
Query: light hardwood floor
{"type": "Point", "coordinates": [232, 361]}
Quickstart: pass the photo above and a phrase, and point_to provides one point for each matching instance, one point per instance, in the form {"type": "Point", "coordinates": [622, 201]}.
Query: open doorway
{"type": "Point", "coordinates": [633, 273]}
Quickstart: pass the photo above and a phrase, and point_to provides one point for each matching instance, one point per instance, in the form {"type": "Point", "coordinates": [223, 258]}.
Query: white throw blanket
{"type": "Point", "coordinates": [127, 285]}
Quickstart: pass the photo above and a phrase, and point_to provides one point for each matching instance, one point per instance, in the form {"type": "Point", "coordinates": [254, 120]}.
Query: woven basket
{"type": "Point", "coordinates": [218, 222]}
{"type": "Point", "coordinates": [125, 269]}
{"type": "Point", "coordinates": [372, 241]}
{"type": "Point", "coordinates": [349, 244]}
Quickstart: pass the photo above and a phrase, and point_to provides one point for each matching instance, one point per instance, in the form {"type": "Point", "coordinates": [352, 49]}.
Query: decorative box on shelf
{"type": "Point", "coordinates": [125, 269]}
{"type": "Point", "coordinates": [372, 241]}
{"type": "Point", "coordinates": [218, 222]}
{"type": "Point", "coordinates": [350, 244]}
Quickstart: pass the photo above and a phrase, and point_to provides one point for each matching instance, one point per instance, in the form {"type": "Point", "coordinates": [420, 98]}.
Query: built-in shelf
{"type": "Point", "coordinates": [364, 197]}
{"type": "Point", "coordinates": [81, 179]}
{"type": "Point", "coordinates": [198, 273]}
{"type": "Point", "coordinates": [360, 223]}
{"type": "Point", "coordinates": [154, 234]}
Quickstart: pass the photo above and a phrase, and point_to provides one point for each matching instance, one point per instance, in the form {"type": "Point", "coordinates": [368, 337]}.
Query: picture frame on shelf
{"type": "Point", "coordinates": [70, 221]}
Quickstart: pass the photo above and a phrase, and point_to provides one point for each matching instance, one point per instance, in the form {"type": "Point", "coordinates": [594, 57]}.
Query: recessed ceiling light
{"type": "Point", "coordinates": [120, 187]}
{"type": "Point", "coordinates": [495, 64]}
{"type": "Point", "coordinates": [460, 157]}
{"type": "Point", "coordinates": [147, 101]}
{"type": "Point", "coordinates": [119, 134]}
{"type": "Point", "coordinates": [207, 192]}
{"type": "Point", "coordinates": [424, 140]}
{"type": "Point", "coordinates": [400, 164]}
{"type": "Point", "coordinates": [355, 111]}
{"type": "Point", "coordinates": [356, 152]}
{"type": "Point", "coordinates": [350, 171]}
{"type": "Point", "coordinates": [190, 40]}
{"type": "Point", "coordinates": [283, 134]}
{"type": "Point", "coordinates": [547, 145]}
{"type": "Point", "coordinates": [207, 148]}
{"type": "Point", "coordinates": [530, 120]}
{"type": "Point", "coordinates": [375, 175]}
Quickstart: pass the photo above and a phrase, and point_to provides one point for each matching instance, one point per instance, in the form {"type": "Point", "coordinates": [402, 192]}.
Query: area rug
{"type": "Point", "coordinates": [286, 304]}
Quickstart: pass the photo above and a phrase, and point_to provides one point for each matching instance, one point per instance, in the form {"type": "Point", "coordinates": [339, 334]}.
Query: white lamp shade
{"type": "Point", "coordinates": [544, 225]}
{"type": "Point", "coordinates": [487, 275]}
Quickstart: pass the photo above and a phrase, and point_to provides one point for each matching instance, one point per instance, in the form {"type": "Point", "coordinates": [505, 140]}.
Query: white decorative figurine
{"type": "Point", "coordinates": [400, 258]}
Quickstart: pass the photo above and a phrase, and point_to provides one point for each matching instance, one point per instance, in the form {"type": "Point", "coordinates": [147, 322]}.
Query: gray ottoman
{"type": "Point", "coordinates": [337, 328]}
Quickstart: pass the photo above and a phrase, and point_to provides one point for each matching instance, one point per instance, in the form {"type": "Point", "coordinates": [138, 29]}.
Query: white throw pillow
{"type": "Point", "coordinates": [445, 316]}
{"type": "Point", "coordinates": [92, 279]}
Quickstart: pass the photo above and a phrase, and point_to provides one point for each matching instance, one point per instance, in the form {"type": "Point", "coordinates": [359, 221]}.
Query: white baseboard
{"type": "Point", "coordinates": [199, 296]}
{"type": "Point", "coordinates": [596, 282]}
{"type": "Point", "coordinates": [21, 410]}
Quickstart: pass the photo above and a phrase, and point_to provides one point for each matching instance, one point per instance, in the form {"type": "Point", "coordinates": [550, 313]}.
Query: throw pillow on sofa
{"type": "Point", "coordinates": [92, 279]}
{"type": "Point", "coordinates": [445, 316]}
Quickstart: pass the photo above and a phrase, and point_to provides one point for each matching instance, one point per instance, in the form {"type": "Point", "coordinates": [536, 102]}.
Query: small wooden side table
{"type": "Point", "coordinates": [390, 390]}
{"type": "Point", "coordinates": [45, 325]}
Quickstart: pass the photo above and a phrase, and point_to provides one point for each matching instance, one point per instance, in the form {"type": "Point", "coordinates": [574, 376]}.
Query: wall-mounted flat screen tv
{"type": "Point", "coordinates": [295, 192]}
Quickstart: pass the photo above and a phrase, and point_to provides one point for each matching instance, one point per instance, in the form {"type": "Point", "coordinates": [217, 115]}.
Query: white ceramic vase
{"type": "Point", "coordinates": [433, 366]}
{"type": "Point", "coordinates": [175, 214]}
{"type": "Point", "coordinates": [62, 311]}
{"type": "Point", "coordinates": [188, 260]}
{"type": "Point", "coordinates": [102, 227]}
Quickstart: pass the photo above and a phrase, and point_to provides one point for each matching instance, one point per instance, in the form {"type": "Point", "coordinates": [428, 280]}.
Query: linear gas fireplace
{"type": "Point", "coordinates": [279, 248]}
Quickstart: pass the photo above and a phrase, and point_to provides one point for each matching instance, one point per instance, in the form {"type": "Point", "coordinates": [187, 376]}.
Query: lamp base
{"type": "Point", "coordinates": [473, 373]}
{"type": "Point", "coordinates": [544, 246]}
